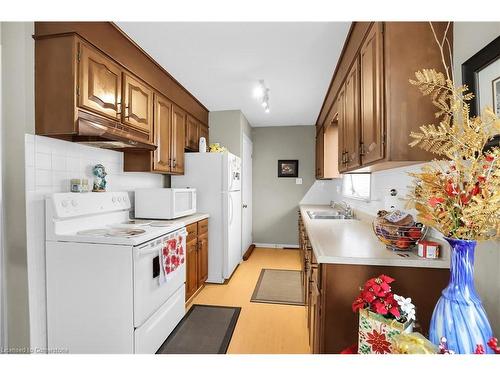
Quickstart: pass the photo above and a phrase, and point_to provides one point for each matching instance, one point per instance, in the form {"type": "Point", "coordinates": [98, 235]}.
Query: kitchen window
{"type": "Point", "coordinates": [356, 186]}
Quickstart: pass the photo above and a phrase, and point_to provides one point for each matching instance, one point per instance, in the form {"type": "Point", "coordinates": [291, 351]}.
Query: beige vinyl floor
{"type": "Point", "coordinates": [262, 328]}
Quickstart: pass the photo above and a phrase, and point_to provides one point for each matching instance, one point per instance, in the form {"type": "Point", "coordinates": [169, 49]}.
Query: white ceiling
{"type": "Point", "coordinates": [221, 62]}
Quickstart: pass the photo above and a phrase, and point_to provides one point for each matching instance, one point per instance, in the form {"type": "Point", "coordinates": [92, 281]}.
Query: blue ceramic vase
{"type": "Point", "coordinates": [459, 315]}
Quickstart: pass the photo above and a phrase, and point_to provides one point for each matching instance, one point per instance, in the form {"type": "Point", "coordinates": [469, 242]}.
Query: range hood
{"type": "Point", "coordinates": [103, 133]}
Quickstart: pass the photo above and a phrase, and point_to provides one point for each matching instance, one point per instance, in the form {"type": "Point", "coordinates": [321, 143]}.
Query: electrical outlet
{"type": "Point", "coordinates": [298, 181]}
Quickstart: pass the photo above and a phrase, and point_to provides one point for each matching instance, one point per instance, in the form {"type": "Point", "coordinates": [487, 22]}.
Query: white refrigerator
{"type": "Point", "coordinates": [217, 179]}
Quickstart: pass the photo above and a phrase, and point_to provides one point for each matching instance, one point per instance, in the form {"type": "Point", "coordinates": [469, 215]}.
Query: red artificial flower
{"type": "Point", "coordinates": [476, 190]}
{"type": "Point", "coordinates": [493, 344]}
{"type": "Point", "coordinates": [358, 303]}
{"type": "Point", "coordinates": [489, 158]}
{"type": "Point", "coordinates": [450, 188]}
{"type": "Point", "coordinates": [386, 305]}
{"type": "Point", "coordinates": [378, 287]}
{"type": "Point", "coordinates": [386, 279]}
{"type": "Point", "coordinates": [378, 342]}
{"type": "Point", "coordinates": [368, 296]}
{"type": "Point", "coordinates": [434, 201]}
{"type": "Point", "coordinates": [465, 198]}
{"type": "Point", "coordinates": [481, 179]}
{"type": "Point", "coordinates": [371, 291]}
{"type": "Point", "coordinates": [479, 349]}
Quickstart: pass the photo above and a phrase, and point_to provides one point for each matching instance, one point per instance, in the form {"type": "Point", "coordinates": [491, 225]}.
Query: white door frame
{"type": "Point", "coordinates": [3, 322]}
{"type": "Point", "coordinates": [246, 201]}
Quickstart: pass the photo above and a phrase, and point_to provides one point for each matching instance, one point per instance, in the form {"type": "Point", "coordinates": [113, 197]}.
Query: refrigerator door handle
{"type": "Point", "coordinates": [230, 208]}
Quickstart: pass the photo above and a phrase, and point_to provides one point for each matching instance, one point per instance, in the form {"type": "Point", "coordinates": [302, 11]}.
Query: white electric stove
{"type": "Point", "coordinates": [110, 286]}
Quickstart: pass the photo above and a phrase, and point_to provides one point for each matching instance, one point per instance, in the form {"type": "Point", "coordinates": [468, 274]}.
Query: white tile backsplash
{"type": "Point", "coordinates": [50, 165]}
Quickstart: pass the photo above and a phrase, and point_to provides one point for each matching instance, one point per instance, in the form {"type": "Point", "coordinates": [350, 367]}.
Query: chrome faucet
{"type": "Point", "coordinates": [344, 207]}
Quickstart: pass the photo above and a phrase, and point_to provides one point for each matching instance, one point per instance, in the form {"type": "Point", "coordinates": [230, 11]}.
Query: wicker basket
{"type": "Point", "coordinates": [398, 237]}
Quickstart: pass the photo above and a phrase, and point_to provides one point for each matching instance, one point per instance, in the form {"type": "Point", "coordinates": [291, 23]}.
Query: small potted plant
{"type": "Point", "coordinates": [382, 316]}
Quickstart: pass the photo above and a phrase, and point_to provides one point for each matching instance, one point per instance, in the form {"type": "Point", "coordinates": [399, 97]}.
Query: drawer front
{"type": "Point", "coordinates": [150, 336]}
{"type": "Point", "coordinates": [192, 232]}
{"type": "Point", "coordinates": [202, 226]}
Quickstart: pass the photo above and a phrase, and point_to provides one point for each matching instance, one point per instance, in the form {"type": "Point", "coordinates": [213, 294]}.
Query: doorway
{"type": "Point", "coordinates": [246, 194]}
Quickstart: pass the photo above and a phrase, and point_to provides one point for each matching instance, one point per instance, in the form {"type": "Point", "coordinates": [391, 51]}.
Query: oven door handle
{"type": "Point", "coordinates": [143, 252]}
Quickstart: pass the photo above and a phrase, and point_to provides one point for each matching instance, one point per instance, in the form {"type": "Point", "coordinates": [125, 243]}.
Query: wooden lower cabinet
{"type": "Point", "coordinates": [331, 289]}
{"type": "Point", "coordinates": [202, 258]}
{"type": "Point", "coordinates": [196, 256]}
{"type": "Point", "coordinates": [191, 268]}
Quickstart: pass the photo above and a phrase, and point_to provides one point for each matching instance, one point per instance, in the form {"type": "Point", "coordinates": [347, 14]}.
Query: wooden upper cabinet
{"type": "Point", "coordinates": [378, 108]}
{"type": "Point", "coordinates": [163, 131]}
{"type": "Point", "coordinates": [320, 153]}
{"type": "Point", "coordinates": [178, 139]}
{"type": "Point", "coordinates": [138, 104]}
{"type": "Point", "coordinates": [351, 117]}
{"type": "Point", "coordinates": [192, 134]}
{"type": "Point", "coordinates": [100, 83]}
{"type": "Point", "coordinates": [341, 129]}
{"type": "Point", "coordinates": [372, 125]}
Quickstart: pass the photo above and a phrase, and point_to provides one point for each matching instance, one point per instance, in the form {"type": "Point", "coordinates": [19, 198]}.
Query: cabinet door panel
{"type": "Point", "coordinates": [342, 130]}
{"type": "Point", "coordinates": [320, 153]}
{"type": "Point", "coordinates": [371, 96]}
{"type": "Point", "coordinates": [351, 117]}
{"type": "Point", "coordinates": [178, 139]}
{"type": "Point", "coordinates": [204, 133]}
{"type": "Point", "coordinates": [163, 130]}
{"type": "Point", "coordinates": [100, 83]}
{"type": "Point", "coordinates": [192, 132]}
{"type": "Point", "coordinates": [191, 268]}
{"type": "Point", "coordinates": [202, 259]}
{"type": "Point", "coordinates": [138, 99]}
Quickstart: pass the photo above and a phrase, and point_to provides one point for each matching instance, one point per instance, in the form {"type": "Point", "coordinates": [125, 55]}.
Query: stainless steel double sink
{"type": "Point", "coordinates": [330, 215]}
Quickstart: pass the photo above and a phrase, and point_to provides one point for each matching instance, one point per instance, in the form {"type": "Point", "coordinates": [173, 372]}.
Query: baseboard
{"type": "Point", "coordinates": [248, 252]}
{"type": "Point", "coordinates": [277, 245]}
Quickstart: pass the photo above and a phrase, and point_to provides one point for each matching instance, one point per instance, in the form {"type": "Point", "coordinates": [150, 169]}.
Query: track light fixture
{"type": "Point", "coordinates": [261, 92]}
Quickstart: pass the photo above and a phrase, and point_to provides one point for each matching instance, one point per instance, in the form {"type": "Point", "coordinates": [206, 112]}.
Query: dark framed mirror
{"type": "Point", "coordinates": [481, 73]}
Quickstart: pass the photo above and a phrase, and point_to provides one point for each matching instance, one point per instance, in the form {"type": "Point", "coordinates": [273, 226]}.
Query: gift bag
{"type": "Point", "coordinates": [376, 333]}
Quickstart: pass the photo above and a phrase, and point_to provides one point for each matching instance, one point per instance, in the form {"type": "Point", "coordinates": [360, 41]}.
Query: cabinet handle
{"type": "Point", "coordinates": [169, 162]}
{"type": "Point", "coordinates": [362, 149]}
{"type": "Point", "coordinates": [118, 109]}
{"type": "Point", "coordinates": [174, 164]}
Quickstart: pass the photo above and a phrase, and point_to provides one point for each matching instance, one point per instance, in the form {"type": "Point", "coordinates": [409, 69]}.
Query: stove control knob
{"type": "Point", "coordinates": [113, 199]}
{"type": "Point", "coordinates": [64, 203]}
{"type": "Point", "coordinates": [121, 199]}
{"type": "Point", "coordinates": [74, 202]}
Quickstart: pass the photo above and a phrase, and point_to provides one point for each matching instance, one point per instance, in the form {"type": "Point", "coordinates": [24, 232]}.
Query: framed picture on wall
{"type": "Point", "coordinates": [496, 95]}
{"type": "Point", "coordinates": [288, 168]}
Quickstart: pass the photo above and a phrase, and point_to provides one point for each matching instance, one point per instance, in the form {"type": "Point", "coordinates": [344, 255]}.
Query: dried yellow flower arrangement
{"type": "Point", "coordinates": [459, 196]}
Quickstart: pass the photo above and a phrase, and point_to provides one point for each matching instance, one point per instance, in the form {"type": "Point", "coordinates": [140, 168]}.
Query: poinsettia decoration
{"type": "Point", "coordinates": [376, 295]}
{"type": "Point", "coordinates": [379, 342]}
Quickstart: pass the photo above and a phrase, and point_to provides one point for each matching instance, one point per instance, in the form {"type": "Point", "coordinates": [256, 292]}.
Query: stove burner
{"type": "Point", "coordinates": [93, 232]}
{"type": "Point", "coordinates": [126, 232]}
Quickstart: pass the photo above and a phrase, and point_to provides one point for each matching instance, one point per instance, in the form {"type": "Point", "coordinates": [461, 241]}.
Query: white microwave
{"type": "Point", "coordinates": [164, 203]}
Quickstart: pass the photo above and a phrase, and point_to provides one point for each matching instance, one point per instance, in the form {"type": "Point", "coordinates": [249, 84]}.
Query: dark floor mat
{"type": "Point", "coordinates": [203, 330]}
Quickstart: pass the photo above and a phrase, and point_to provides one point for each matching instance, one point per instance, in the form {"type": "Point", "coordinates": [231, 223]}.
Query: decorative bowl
{"type": "Point", "coordinates": [399, 237]}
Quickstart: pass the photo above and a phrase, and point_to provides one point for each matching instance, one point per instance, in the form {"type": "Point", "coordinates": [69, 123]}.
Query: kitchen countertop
{"type": "Point", "coordinates": [185, 220]}
{"type": "Point", "coordinates": [353, 242]}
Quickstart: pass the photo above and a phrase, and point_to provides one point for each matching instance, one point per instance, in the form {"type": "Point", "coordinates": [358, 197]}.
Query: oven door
{"type": "Point", "coordinates": [149, 295]}
{"type": "Point", "coordinates": [183, 202]}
